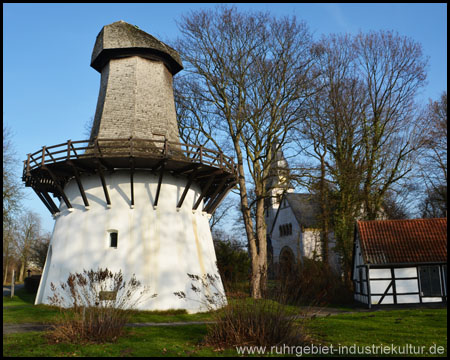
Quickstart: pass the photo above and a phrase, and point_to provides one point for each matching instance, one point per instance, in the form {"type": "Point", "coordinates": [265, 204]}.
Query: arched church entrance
{"type": "Point", "coordinates": [286, 262]}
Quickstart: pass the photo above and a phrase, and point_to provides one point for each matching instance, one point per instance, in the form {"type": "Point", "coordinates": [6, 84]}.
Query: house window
{"type": "Point", "coordinates": [113, 237]}
{"type": "Point", "coordinates": [430, 281]}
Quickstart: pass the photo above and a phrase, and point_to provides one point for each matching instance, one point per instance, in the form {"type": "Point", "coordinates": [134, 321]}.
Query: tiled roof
{"type": "Point", "coordinates": [403, 241]}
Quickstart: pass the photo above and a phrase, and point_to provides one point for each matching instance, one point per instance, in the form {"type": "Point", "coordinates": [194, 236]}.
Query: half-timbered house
{"type": "Point", "coordinates": [400, 261]}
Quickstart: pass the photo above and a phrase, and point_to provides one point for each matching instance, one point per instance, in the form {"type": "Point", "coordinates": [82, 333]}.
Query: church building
{"type": "Point", "coordinates": [292, 225]}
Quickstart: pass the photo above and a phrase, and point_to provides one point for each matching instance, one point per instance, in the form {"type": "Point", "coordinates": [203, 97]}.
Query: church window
{"type": "Point", "coordinates": [285, 229]}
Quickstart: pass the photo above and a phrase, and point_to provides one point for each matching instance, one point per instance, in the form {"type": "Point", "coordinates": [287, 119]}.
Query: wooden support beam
{"type": "Point", "coordinates": [80, 185]}
{"type": "Point", "coordinates": [50, 201]}
{"type": "Point", "coordinates": [369, 291]}
{"type": "Point", "coordinates": [186, 169]}
{"type": "Point", "coordinates": [385, 292]}
{"type": "Point", "coordinates": [158, 189]}
{"type": "Point", "coordinates": [47, 205]}
{"type": "Point", "coordinates": [204, 192]}
{"type": "Point", "coordinates": [214, 173]}
{"type": "Point", "coordinates": [219, 199]}
{"type": "Point", "coordinates": [131, 181]}
{"type": "Point", "coordinates": [28, 173]}
{"type": "Point", "coordinates": [105, 189]}
{"type": "Point", "coordinates": [158, 165]}
{"type": "Point", "coordinates": [60, 189]}
{"type": "Point", "coordinates": [188, 185]}
{"type": "Point", "coordinates": [105, 164]}
{"type": "Point", "coordinates": [394, 287]}
{"type": "Point", "coordinates": [213, 196]}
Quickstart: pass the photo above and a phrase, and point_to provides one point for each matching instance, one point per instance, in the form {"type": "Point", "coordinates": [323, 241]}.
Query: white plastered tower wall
{"type": "Point", "coordinates": [160, 246]}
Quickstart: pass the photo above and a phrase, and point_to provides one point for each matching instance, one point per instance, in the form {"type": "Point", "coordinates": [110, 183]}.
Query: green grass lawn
{"type": "Point", "coordinates": [418, 327]}
{"type": "Point", "coordinates": [20, 309]}
{"type": "Point", "coordinates": [142, 342]}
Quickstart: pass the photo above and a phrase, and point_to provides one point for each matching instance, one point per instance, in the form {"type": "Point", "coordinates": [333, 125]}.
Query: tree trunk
{"type": "Point", "coordinates": [22, 270]}
{"type": "Point", "coordinates": [6, 272]}
{"type": "Point", "coordinates": [324, 210]}
{"type": "Point", "coordinates": [262, 246]}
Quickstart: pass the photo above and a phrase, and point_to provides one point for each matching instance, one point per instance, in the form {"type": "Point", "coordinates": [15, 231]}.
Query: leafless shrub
{"type": "Point", "coordinates": [247, 321]}
{"type": "Point", "coordinates": [311, 283]}
{"type": "Point", "coordinates": [95, 305]}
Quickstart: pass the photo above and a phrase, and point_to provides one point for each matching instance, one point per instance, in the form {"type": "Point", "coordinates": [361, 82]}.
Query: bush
{"type": "Point", "coordinates": [233, 264]}
{"type": "Point", "coordinates": [245, 321]}
{"type": "Point", "coordinates": [95, 305]}
{"type": "Point", "coordinates": [255, 322]}
{"type": "Point", "coordinates": [312, 283]}
{"type": "Point", "coordinates": [32, 284]}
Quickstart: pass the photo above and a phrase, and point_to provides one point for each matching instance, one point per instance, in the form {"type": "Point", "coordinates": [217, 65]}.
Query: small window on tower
{"type": "Point", "coordinates": [113, 235]}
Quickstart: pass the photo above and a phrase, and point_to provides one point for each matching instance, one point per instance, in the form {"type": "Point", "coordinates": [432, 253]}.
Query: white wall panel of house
{"type": "Point", "coordinates": [408, 299]}
{"type": "Point", "coordinates": [380, 286]}
{"type": "Point", "coordinates": [406, 286]}
{"type": "Point", "coordinates": [388, 299]}
{"type": "Point", "coordinates": [405, 272]}
{"type": "Point", "coordinates": [379, 273]}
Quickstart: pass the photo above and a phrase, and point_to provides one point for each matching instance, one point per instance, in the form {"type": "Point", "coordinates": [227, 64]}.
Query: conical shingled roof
{"type": "Point", "coordinates": [121, 39]}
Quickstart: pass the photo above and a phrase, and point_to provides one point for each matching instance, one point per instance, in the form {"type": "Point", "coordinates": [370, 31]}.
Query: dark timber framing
{"type": "Point", "coordinates": [392, 282]}
{"type": "Point", "coordinates": [50, 201]}
{"type": "Point", "coordinates": [132, 181]}
{"type": "Point", "coordinates": [80, 185]}
{"type": "Point", "coordinates": [102, 179]}
{"type": "Point", "coordinates": [46, 203]}
{"type": "Point", "coordinates": [188, 185]}
{"type": "Point", "coordinates": [204, 191]}
{"type": "Point", "coordinates": [219, 188]}
{"type": "Point", "coordinates": [158, 189]}
{"type": "Point", "coordinates": [219, 198]}
{"type": "Point", "coordinates": [60, 190]}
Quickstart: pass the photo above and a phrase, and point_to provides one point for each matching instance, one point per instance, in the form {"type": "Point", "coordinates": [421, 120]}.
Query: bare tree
{"type": "Point", "coordinates": [12, 195]}
{"type": "Point", "coordinates": [362, 128]}
{"type": "Point", "coordinates": [247, 76]}
{"type": "Point", "coordinates": [434, 164]}
{"type": "Point", "coordinates": [29, 231]}
{"type": "Point", "coordinates": [331, 135]}
{"type": "Point", "coordinates": [393, 69]}
{"type": "Point", "coordinates": [39, 250]}
{"type": "Point", "coordinates": [12, 188]}
{"type": "Point", "coordinates": [9, 249]}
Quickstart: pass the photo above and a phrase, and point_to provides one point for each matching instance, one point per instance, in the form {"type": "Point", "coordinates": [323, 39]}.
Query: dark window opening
{"type": "Point", "coordinates": [113, 239]}
{"type": "Point", "coordinates": [430, 281]}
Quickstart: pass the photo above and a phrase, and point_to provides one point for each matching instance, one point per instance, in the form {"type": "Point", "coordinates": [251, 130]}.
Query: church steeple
{"type": "Point", "coordinates": [278, 182]}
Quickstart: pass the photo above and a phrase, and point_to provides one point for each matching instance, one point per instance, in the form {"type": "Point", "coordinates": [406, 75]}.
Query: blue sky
{"type": "Point", "coordinates": [50, 91]}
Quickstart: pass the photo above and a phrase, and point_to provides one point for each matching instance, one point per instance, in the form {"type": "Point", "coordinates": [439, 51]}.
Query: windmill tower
{"type": "Point", "coordinates": [132, 197]}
